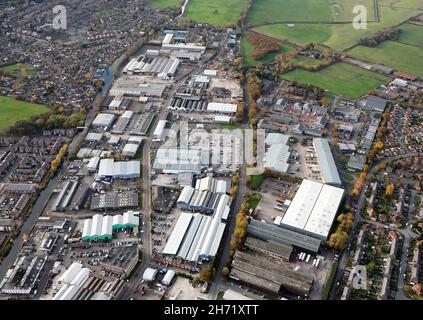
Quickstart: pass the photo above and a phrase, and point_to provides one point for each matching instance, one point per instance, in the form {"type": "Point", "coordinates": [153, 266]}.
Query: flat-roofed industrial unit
{"type": "Point", "coordinates": [104, 120]}
{"type": "Point", "coordinates": [119, 170]}
{"type": "Point", "coordinates": [326, 162]}
{"type": "Point", "coordinates": [313, 209]}
{"type": "Point", "coordinates": [267, 271]}
{"type": "Point", "coordinates": [122, 122]}
{"type": "Point", "coordinates": [222, 107]}
{"type": "Point", "coordinates": [178, 160]}
{"type": "Point", "coordinates": [271, 232]}
{"type": "Point", "coordinates": [93, 137]}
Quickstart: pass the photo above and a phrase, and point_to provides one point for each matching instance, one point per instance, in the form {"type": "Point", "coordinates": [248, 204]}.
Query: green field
{"type": "Point", "coordinates": [16, 69]}
{"type": "Point", "coordinates": [163, 4]}
{"type": "Point", "coordinates": [341, 79]}
{"type": "Point", "coordinates": [273, 11]}
{"type": "Point", "coordinates": [300, 33]}
{"type": "Point", "coordinates": [12, 110]}
{"type": "Point", "coordinates": [247, 49]}
{"type": "Point", "coordinates": [216, 12]}
{"type": "Point", "coordinates": [411, 34]}
{"type": "Point", "coordinates": [393, 54]}
{"type": "Point", "coordinates": [344, 36]}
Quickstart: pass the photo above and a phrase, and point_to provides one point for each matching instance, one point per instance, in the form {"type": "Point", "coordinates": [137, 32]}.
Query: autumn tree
{"type": "Point", "coordinates": [389, 190]}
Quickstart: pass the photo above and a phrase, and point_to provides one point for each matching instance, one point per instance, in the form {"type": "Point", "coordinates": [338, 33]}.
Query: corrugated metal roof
{"type": "Point", "coordinates": [174, 242]}
{"type": "Point", "coordinates": [326, 162]}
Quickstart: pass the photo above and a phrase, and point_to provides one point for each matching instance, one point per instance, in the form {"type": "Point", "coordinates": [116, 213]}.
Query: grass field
{"type": "Point", "coordinates": [271, 11]}
{"type": "Point", "coordinates": [344, 36]}
{"type": "Point", "coordinates": [12, 110]}
{"type": "Point", "coordinates": [411, 34]}
{"type": "Point", "coordinates": [16, 69]}
{"type": "Point", "coordinates": [341, 79]}
{"type": "Point", "coordinates": [248, 50]}
{"type": "Point", "coordinates": [216, 12]}
{"type": "Point", "coordinates": [392, 54]}
{"type": "Point", "coordinates": [300, 33]}
{"type": "Point", "coordinates": [163, 4]}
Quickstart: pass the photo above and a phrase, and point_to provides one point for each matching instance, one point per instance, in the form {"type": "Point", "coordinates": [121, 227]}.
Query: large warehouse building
{"type": "Point", "coordinates": [179, 160]}
{"type": "Point", "coordinates": [101, 227]}
{"type": "Point", "coordinates": [197, 237]}
{"type": "Point", "coordinates": [326, 162]}
{"type": "Point", "coordinates": [313, 209]}
{"type": "Point", "coordinates": [119, 170]}
{"type": "Point", "coordinates": [277, 155]}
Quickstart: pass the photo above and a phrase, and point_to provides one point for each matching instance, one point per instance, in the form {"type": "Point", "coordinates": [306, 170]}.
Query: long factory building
{"type": "Point", "coordinates": [205, 197]}
{"type": "Point", "coordinates": [326, 162]}
{"type": "Point", "coordinates": [313, 209]}
{"type": "Point", "coordinates": [197, 237]}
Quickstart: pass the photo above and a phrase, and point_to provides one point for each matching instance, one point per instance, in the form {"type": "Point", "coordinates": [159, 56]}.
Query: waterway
{"type": "Point", "coordinates": [45, 195]}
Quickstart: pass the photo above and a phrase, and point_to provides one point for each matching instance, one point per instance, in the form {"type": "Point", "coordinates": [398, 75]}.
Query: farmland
{"type": "Point", "coordinates": [163, 4]}
{"type": "Point", "coordinates": [12, 110]}
{"type": "Point", "coordinates": [217, 12]}
{"type": "Point", "coordinates": [341, 79]}
{"type": "Point", "coordinates": [337, 36]}
{"type": "Point", "coordinates": [392, 54]}
{"type": "Point", "coordinates": [300, 33]}
{"type": "Point", "coordinates": [411, 34]}
{"type": "Point", "coordinates": [273, 11]}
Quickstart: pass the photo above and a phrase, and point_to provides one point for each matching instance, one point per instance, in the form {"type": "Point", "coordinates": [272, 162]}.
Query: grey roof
{"type": "Point", "coordinates": [281, 250]}
{"type": "Point", "coordinates": [279, 234]}
{"type": "Point", "coordinates": [326, 162]}
{"type": "Point", "coordinates": [376, 103]}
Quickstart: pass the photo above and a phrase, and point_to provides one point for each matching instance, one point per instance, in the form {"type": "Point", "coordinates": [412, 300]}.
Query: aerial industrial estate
{"type": "Point", "coordinates": [168, 150]}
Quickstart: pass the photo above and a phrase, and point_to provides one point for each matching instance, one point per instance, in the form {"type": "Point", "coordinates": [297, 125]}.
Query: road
{"type": "Point", "coordinates": [357, 218]}
{"type": "Point", "coordinates": [45, 195]}
{"type": "Point", "coordinates": [214, 289]}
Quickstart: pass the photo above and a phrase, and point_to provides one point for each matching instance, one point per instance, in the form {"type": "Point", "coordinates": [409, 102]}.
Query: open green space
{"type": "Point", "coordinates": [217, 12]}
{"type": "Point", "coordinates": [254, 200]}
{"type": "Point", "coordinates": [344, 36]}
{"type": "Point", "coordinates": [12, 111]}
{"type": "Point", "coordinates": [392, 54]}
{"type": "Point", "coordinates": [163, 4]}
{"type": "Point", "coordinates": [411, 34]}
{"type": "Point", "coordinates": [341, 79]}
{"type": "Point", "coordinates": [299, 33]}
{"type": "Point", "coordinates": [19, 69]}
{"type": "Point", "coordinates": [273, 11]}
{"type": "Point", "coordinates": [247, 50]}
{"type": "Point", "coordinates": [256, 182]}
{"type": "Point", "coordinates": [107, 13]}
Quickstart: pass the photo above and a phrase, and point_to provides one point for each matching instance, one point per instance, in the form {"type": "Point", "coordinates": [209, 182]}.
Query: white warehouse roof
{"type": "Point", "coordinates": [222, 107]}
{"type": "Point", "coordinates": [122, 169]}
{"type": "Point", "coordinates": [313, 208]}
{"type": "Point", "coordinates": [103, 120]}
{"type": "Point", "coordinates": [178, 233]}
{"type": "Point", "coordinates": [326, 162]}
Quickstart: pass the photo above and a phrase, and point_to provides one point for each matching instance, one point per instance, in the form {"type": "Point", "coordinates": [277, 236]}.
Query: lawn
{"type": "Point", "coordinates": [247, 49]}
{"type": "Point", "coordinates": [230, 126]}
{"type": "Point", "coordinates": [411, 34]}
{"type": "Point", "coordinates": [19, 69]}
{"type": "Point", "coordinates": [341, 79]}
{"type": "Point", "coordinates": [163, 4]}
{"type": "Point", "coordinates": [12, 110]}
{"type": "Point", "coordinates": [256, 181]}
{"type": "Point", "coordinates": [344, 36]}
{"type": "Point", "coordinates": [393, 54]}
{"type": "Point", "coordinates": [217, 12]}
{"type": "Point", "coordinates": [253, 201]}
{"type": "Point", "coordinates": [289, 11]}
